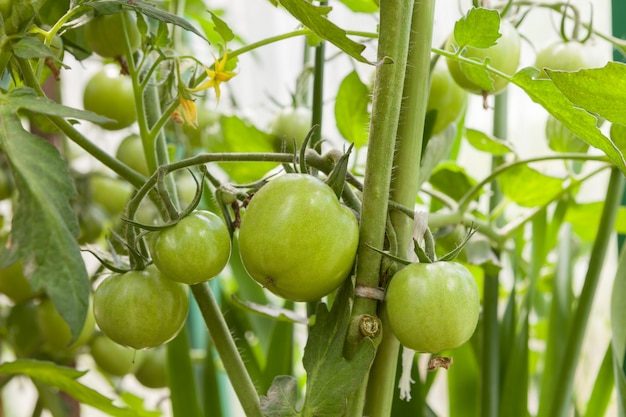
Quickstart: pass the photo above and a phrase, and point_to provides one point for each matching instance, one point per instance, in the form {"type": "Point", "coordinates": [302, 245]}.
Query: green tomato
{"type": "Point", "coordinates": [23, 331]}
{"type": "Point", "coordinates": [445, 97]}
{"type": "Point", "coordinates": [92, 221]}
{"type": "Point", "coordinates": [503, 56]}
{"type": "Point", "coordinates": [291, 125]}
{"type": "Point", "coordinates": [152, 369]}
{"type": "Point", "coordinates": [433, 307]}
{"type": "Point", "coordinates": [194, 250]}
{"type": "Point", "coordinates": [14, 284]}
{"type": "Point", "coordinates": [111, 95]}
{"type": "Point", "coordinates": [140, 309]}
{"type": "Point", "coordinates": [111, 357]}
{"type": "Point", "coordinates": [56, 332]}
{"type": "Point", "coordinates": [112, 194]}
{"type": "Point", "coordinates": [105, 34]}
{"type": "Point", "coordinates": [568, 56]}
{"type": "Point", "coordinates": [130, 152]}
{"type": "Point", "coordinates": [296, 239]}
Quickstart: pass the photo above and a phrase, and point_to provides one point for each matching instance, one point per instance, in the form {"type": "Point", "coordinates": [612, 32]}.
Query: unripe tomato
{"type": "Point", "coordinates": [130, 152]}
{"type": "Point", "coordinates": [151, 371]}
{"type": "Point", "coordinates": [111, 357]}
{"type": "Point", "coordinates": [56, 332]}
{"type": "Point", "coordinates": [445, 97]}
{"type": "Point", "coordinates": [140, 309]}
{"type": "Point", "coordinates": [291, 125]}
{"type": "Point", "coordinates": [561, 139]}
{"type": "Point", "coordinates": [111, 95]}
{"type": "Point", "coordinates": [503, 56]}
{"type": "Point", "coordinates": [112, 194]}
{"type": "Point", "coordinates": [194, 250]}
{"type": "Point", "coordinates": [105, 34]}
{"type": "Point", "coordinates": [296, 239]}
{"type": "Point", "coordinates": [433, 306]}
{"type": "Point", "coordinates": [14, 284]}
{"type": "Point", "coordinates": [92, 221]}
{"type": "Point", "coordinates": [568, 56]}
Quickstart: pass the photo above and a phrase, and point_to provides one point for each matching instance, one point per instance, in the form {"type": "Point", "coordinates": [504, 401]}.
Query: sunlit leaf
{"type": "Point", "coordinates": [351, 111]}
{"type": "Point", "coordinates": [452, 179]}
{"type": "Point", "coordinates": [362, 6]}
{"type": "Point", "coordinates": [479, 28]}
{"type": "Point", "coordinates": [579, 121]}
{"type": "Point", "coordinates": [483, 142]}
{"type": "Point", "coordinates": [281, 398]}
{"type": "Point", "coordinates": [597, 90]}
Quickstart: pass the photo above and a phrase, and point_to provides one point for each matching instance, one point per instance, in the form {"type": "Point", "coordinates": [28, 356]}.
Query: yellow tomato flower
{"type": "Point", "coordinates": [189, 112]}
{"type": "Point", "coordinates": [216, 76]}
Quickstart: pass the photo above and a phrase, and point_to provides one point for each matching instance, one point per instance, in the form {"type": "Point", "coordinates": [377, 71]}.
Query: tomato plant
{"type": "Point", "coordinates": [289, 128]}
{"type": "Point", "coordinates": [14, 284]}
{"type": "Point", "coordinates": [433, 307]}
{"type": "Point", "coordinates": [111, 95]}
{"type": "Point", "coordinates": [110, 193]}
{"type": "Point", "coordinates": [107, 34]}
{"type": "Point", "coordinates": [503, 56]}
{"type": "Point", "coordinates": [56, 332]}
{"type": "Point", "coordinates": [296, 239]}
{"type": "Point", "coordinates": [151, 371]}
{"type": "Point", "coordinates": [140, 309]}
{"type": "Point", "coordinates": [445, 98]}
{"type": "Point", "coordinates": [568, 56]}
{"type": "Point", "coordinates": [194, 250]}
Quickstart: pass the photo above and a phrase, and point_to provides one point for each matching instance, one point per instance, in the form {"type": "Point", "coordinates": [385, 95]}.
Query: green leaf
{"type": "Point", "coordinates": [602, 388]}
{"type": "Point", "coordinates": [136, 403]}
{"type": "Point", "coordinates": [479, 28]}
{"type": "Point", "coordinates": [528, 187]}
{"type": "Point", "coordinates": [483, 142]}
{"type": "Point", "coordinates": [222, 28]}
{"type": "Point", "coordinates": [585, 218]}
{"type": "Point", "coordinates": [315, 18]}
{"type": "Point", "coordinates": [331, 379]}
{"type": "Point", "coordinates": [44, 227]}
{"type": "Point", "coordinates": [596, 90]}
{"type": "Point", "coordinates": [281, 398]}
{"type": "Point", "coordinates": [147, 9]}
{"type": "Point", "coordinates": [29, 47]}
{"type": "Point", "coordinates": [579, 121]}
{"type": "Point", "coordinates": [26, 98]}
{"type": "Point", "coordinates": [452, 180]}
{"type": "Point", "coordinates": [437, 149]}
{"type": "Point", "coordinates": [514, 394]}
{"type": "Point", "coordinates": [65, 379]}
{"type": "Point", "coordinates": [351, 111]}
{"type": "Point", "coordinates": [361, 6]}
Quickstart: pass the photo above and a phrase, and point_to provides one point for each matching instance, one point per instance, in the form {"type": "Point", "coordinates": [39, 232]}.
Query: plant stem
{"type": "Point", "coordinates": [563, 394]}
{"type": "Point", "coordinates": [404, 189]}
{"type": "Point", "coordinates": [227, 350]}
{"type": "Point", "coordinates": [318, 91]}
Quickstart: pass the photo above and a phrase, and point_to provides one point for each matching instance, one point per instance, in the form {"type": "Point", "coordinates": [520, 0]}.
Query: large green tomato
{"type": "Point", "coordinates": [568, 56]}
{"type": "Point", "coordinates": [111, 357]}
{"type": "Point", "coordinates": [105, 34]}
{"type": "Point", "coordinates": [111, 95]}
{"type": "Point", "coordinates": [445, 97]}
{"type": "Point", "coordinates": [130, 152]}
{"type": "Point", "coordinates": [433, 307]}
{"type": "Point", "coordinates": [140, 309]}
{"type": "Point", "coordinates": [151, 371]}
{"type": "Point", "coordinates": [290, 125]}
{"type": "Point", "coordinates": [194, 250]}
{"type": "Point", "coordinates": [296, 239]}
{"type": "Point", "coordinates": [56, 332]}
{"type": "Point", "coordinates": [14, 284]}
{"type": "Point", "coordinates": [503, 56]}
{"type": "Point", "coordinates": [110, 193]}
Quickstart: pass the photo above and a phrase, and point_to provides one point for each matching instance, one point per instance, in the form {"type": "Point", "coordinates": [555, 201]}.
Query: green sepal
{"type": "Point", "coordinates": [337, 177]}
{"type": "Point", "coordinates": [456, 251]}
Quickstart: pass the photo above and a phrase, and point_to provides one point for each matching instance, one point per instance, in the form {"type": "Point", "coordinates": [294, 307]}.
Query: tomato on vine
{"type": "Point", "coordinates": [568, 56]}
{"type": "Point", "coordinates": [111, 95]}
{"type": "Point", "coordinates": [111, 357]}
{"type": "Point", "coordinates": [445, 98]}
{"type": "Point", "coordinates": [14, 284]}
{"type": "Point", "coordinates": [105, 34]}
{"type": "Point", "coordinates": [194, 250]}
{"type": "Point", "coordinates": [130, 152]}
{"type": "Point", "coordinates": [151, 371]}
{"type": "Point", "coordinates": [56, 332]}
{"type": "Point", "coordinates": [503, 56]}
{"type": "Point", "coordinates": [433, 306]}
{"type": "Point", "coordinates": [140, 309]}
{"type": "Point", "coordinates": [290, 127]}
{"type": "Point", "coordinates": [296, 239]}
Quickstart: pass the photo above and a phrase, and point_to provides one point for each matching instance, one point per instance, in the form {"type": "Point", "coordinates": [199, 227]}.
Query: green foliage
{"type": "Point", "coordinates": [351, 110]}
{"type": "Point", "coordinates": [478, 28]}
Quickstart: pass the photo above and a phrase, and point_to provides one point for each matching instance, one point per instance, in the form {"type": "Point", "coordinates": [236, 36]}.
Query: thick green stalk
{"type": "Point", "coordinates": [318, 90]}
{"type": "Point", "coordinates": [227, 350]}
{"type": "Point", "coordinates": [563, 394]}
{"type": "Point", "coordinates": [404, 188]}
{"type": "Point", "coordinates": [490, 392]}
